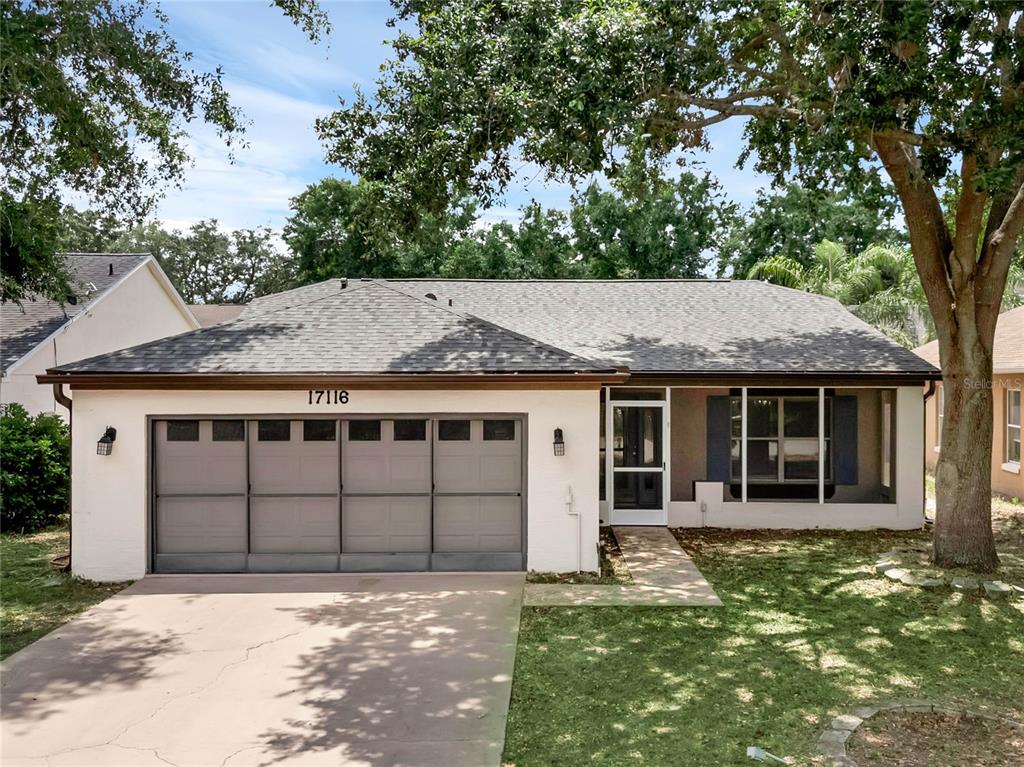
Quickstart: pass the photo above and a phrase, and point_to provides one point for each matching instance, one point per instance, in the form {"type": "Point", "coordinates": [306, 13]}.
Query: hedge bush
{"type": "Point", "coordinates": [35, 470]}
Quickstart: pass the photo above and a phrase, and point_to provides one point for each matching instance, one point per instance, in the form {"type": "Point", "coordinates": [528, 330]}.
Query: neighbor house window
{"type": "Point", "coordinates": [782, 439]}
{"type": "Point", "coordinates": [1013, 426]}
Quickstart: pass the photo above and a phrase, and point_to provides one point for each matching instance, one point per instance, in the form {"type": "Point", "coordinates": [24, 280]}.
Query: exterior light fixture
{"type": "Point", "coordinates": [105, 446]}
{"type": "Point", "coordinates": [559, 442]}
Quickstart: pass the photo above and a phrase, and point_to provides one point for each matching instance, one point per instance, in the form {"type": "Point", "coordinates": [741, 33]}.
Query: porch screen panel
{"type": "Point", "coordinates": [845, 439]}
{"type": "Point", "coordinates": [718, 431]}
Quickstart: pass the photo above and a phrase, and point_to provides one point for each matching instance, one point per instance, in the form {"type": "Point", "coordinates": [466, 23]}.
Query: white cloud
{"type": "Point", "coordinates": [281, 155]}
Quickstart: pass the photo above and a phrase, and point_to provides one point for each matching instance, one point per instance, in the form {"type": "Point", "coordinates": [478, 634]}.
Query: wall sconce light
{"type": "Point", "coordinates": [559, 442]}
{"type": "Point", "coordinates": [105, 446]}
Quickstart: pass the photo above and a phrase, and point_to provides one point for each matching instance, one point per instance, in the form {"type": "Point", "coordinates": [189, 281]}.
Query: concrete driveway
{"type": "Point", "coordinates": [269, 669]}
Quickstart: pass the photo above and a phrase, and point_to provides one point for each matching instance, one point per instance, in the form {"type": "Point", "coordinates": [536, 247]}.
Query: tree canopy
{"type": "Point", "coordinates": [649, 228]}
{"type": "Point", "coordinates": [95, 98]}
{"type": "Point", "coordinates": [833, 94]}
{"type": "Point", "coordinates": [790, 224]}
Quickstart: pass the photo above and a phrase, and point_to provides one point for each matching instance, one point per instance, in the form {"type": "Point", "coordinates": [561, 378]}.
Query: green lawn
{"type": "Point", "coordinates": [35, 598]}
{"type": "Point", "coordinates": [807, 632]}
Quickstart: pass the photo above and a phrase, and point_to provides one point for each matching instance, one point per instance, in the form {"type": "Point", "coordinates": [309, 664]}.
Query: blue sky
{"type": "Point", "coordinates": [283, 82]}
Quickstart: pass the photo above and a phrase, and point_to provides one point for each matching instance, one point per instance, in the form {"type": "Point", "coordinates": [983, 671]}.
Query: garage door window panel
{"type": "Point", "coordinates": [182, 431]}
{"type": "Point", "coordinates": [364, 431]}
{"type": "Point", "coordinates": [499, 431]}
{"type": "Point", "coordinates": [319, 431]}
{"type": "Point", "coordinates": [228, 431]}
{"type": "Point", "coordinates": [453, 431]}
{"type": "Point", "coordinates": [274, 431]}
{"type": "Point", "coordinates": [408, 430]}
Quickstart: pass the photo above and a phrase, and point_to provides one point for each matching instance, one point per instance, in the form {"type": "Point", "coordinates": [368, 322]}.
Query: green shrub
{"type": "Point", "coordinates": [35, 469]}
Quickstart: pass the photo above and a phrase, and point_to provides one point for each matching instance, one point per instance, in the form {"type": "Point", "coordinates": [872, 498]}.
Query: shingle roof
{"type": "Point", "coordinates": [23, 327]}
{"type": "Point", "coordinates": [1008, 348]}
{"type": "Point", "coordinates": [683, 326]}
{"type": "Point", "coordinates": [367, 327]}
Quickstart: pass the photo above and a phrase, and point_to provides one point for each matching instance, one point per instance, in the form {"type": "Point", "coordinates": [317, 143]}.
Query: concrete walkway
{"type": "Point", "coordinates": [367, 670]}
{"type": "Point", "coordinates": [663, 574]}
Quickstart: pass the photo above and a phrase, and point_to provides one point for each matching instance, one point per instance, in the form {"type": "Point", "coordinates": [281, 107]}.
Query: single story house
{"type": "Point", "coordinates": [362, 425]}
{"type": "Point", "coordinates": [1007, 382]}
{"type": "Point", "coordinates": [117, 301]}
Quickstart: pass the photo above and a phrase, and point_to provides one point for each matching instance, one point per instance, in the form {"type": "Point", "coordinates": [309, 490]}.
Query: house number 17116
{"type": "Point", "coordinates": [328, 397]}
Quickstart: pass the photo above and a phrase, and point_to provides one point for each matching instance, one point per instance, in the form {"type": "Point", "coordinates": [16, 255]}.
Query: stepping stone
{"type": "Point", "coordinates": [910, 579]}
{"type": "Point", "coordinates": [932, 584]}
{"type": "Point", "coordinates": [997, 589]}
{"type": "Point", "coordinates": [865, 712]}
{"type": "Point", "coordinates": [883, 565]}
{"type": "Point", "coordinates": [896, 574]}
{"type": "Point", "coordinates": [966, 585]}
{"type": "Point", "coordinates": [846, 722]}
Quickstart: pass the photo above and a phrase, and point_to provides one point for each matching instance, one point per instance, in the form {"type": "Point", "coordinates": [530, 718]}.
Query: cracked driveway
{"type": "Point", "coordinates": [366, 670]}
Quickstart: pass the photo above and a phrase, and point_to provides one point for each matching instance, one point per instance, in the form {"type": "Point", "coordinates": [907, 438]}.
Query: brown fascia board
{"type": "Point", "coordinates": [295, 381]}
{"type": "Point", "coordinates": [747, 378]}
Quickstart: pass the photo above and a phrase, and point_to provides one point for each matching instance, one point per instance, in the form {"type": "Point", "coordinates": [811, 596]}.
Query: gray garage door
{"type": "Point", "coordinates": [314, 495]}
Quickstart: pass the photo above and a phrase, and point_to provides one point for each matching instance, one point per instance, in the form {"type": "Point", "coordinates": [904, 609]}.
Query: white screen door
{"type": "Point", "coordinates": [636, 462]}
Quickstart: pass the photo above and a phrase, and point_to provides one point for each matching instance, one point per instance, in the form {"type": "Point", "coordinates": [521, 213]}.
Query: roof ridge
{"type": "Point", "coordinates": [139, 254]}
{"type": "Point", "coordinates": [435, 303]}
{"type": "Point", "coordinates": [583, 280]}
{"type": "Point", "coordinates": [348, 288]}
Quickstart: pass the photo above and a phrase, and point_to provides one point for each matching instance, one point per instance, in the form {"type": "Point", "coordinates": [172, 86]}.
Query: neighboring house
{"type": "Point", "coordinates": [215, 314]}
{"type": "Point", "coordinates": [118, 301]}
{"type": "Point", "coordinates": [1007, 382]}
{"type": "Point", "coordinates": [460, 424]}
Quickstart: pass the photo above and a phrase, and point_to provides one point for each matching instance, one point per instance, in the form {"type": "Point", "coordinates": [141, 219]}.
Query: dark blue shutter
{"type": "Point", "coordinates": [719, 426]}
{"type": "Point", "coordinates": [844, 440]}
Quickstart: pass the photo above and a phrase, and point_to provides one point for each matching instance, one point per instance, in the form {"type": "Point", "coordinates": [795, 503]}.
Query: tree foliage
{"type": "Point", "coordinates": [643, 229]}
{"type": "Point", "coordinates": [35, 469]}
{"type": "Point", "coordinates": [206, 264]}
{"type": "Point", "coordinates": [95, 96]}
{"type": "Point", "coordinates": [789, 224]}
{"type": "Point", "coordinates": [833, 93]}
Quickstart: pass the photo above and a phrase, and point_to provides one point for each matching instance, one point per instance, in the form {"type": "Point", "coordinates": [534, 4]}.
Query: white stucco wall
{"type": "Point", "coordinates": [140, 308]}
{"type": "Point", "coordinates": [109, 493]}
{"type": "Point", "coordinates": [907, 513]}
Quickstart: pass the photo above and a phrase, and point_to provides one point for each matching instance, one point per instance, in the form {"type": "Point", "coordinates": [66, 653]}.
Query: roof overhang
{"type": "Point", "coordinates": [782, 379]}
{"type": "Point", "coordinates": [294, 381]}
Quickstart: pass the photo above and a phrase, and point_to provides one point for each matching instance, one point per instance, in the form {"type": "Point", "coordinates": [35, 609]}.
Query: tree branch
{"type": "Point", "coordinates": [929, 235]}
{"type": "Point", "coordinates": [970, 211]}
{"type": "Point", "coordinates": [997, 252]}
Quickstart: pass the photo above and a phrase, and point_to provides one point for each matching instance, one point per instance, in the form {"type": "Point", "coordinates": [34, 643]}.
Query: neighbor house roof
{"type": "Point", "coordinates": [363, 328]}
{"type": "Point", "coordinates": [215, 314]}
{"type": "Point", "coordinates": [25, 326]}
{"type": "Point", "coordinates": [1008, 348]}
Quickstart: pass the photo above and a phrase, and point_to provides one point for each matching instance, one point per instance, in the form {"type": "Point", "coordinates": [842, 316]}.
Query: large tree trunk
{"type": "Point", "coordinates": [963, 481]}
{"type": "Point", "coordinates": [964, 292]}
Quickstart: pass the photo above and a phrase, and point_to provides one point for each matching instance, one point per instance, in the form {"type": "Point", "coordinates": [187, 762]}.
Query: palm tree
{"type": "Point", "coordinates": [880, 285]}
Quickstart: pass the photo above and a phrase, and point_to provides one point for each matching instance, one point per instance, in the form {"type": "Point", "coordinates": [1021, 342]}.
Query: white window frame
{"type": "Point", "coordinates": [1012, 464]}
{"type": "Point", "coordinates": [940, 413]}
